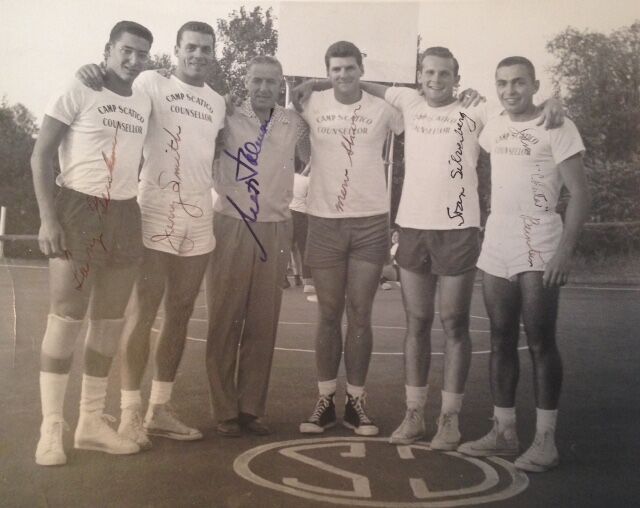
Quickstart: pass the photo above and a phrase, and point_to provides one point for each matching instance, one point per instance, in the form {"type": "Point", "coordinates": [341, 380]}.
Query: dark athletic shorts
{"type": "Point", "coordinates": [440, 252]}
{"type": "Point", "coordinates": [331, 242]}
{"type": "Point", "coordinates": [99, 231]}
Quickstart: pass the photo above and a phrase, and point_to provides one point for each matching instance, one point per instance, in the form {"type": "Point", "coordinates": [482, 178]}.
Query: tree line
{"type": "Point", "coordinates": [596, 75]}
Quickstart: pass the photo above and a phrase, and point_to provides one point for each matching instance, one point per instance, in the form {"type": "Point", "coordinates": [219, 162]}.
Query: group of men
{"type": "Point", "coordinates": [96, 235]}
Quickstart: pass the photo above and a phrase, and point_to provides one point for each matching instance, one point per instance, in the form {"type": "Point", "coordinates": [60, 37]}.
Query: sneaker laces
{"type": "Point", "coordinates": [491, 436]}
{"type": "Point", "coordinates": [445, 420]}
{"type": "Point", "coordinates": [540, 440]}
{"type": "Point", "coordinates": [358, 405]}
{"type": "Point", "coordinates": [321, 406]}
{"type": "Point", "coordinates": [411, 416]}
{"type": "Point", "coordinates": [107, 418]}
{"type": "Point", "coordinates": [136, 420]}
{"type": "Point", "coordinates": [53, 428]}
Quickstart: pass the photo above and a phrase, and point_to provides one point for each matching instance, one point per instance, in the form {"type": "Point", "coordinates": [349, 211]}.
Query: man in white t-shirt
{"type": "Point", "coordinates": [439, 218]}
{"type": "Point", "coordinates": [348, 239]}
{"type": "Point", "coordinates": [177, 215]}
{"type": "Point", "coordinates": [525, 257]}
{"type": "Point", "coordinates": [91, 233]}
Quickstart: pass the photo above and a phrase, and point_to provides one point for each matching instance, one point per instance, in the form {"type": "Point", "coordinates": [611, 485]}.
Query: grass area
{"type": "Point", "coordinates": [615, 269]}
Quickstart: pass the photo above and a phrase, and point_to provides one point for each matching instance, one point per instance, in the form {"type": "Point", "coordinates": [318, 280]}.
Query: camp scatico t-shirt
{"type": "Point", "coordinates": [524, 164]}
{"type": "Point", "coordinates": [101, 152]}
{"type": "Point", "coordinates": [440, 189]}
{"type": "Point", "coordinates": [183, 126]}
{"type": "Point", "coordinates": [348, 178]}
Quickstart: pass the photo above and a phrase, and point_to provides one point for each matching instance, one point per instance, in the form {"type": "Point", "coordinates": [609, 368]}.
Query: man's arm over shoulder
{"type": "Point", "coordinates": [399, 96]}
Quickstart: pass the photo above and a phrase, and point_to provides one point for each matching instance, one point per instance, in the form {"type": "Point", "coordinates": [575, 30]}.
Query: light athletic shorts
{"type": "Point", "coordinates": [175, 221]}
{"type": "Point", "coordinates": [519, 243]}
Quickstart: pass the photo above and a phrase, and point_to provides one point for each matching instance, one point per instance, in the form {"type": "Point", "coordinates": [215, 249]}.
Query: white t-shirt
{"type": "Point", "coordinates": [101, 152]}
{"type": "Point", "coordinates": [184, 123]}
{"type": "Point", "coordinates": [524, 160]}
{"type": "Point", "coordinates": [348, 178]}
{"type": "Point", "coordinates": [300, 191]}
{"type": "Point", "coordinates": [440, 189]}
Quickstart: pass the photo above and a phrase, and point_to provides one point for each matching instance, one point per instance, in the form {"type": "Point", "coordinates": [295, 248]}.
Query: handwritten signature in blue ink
{"type": "Point", "coordinates": [247, 158]}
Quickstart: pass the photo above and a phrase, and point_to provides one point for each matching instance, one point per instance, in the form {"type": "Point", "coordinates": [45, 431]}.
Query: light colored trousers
{"type": "Point", "coordinates": [244, 295]}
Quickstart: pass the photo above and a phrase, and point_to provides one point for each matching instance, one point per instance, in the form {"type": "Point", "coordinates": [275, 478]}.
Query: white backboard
{"type": "Point", "coordinates": [386, 32]}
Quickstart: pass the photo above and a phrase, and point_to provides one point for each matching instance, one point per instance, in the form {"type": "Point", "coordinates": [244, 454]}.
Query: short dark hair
{"type": "Point", "coordinates": [129, 27]}
{"type": "Point", "coordinates": [518, 60]}
{"type": "Point", "coordinates": [264, 59]}
{"type": "Point", "coordinates": [442, 53]}
{"type": "Point", "coordinates": [343, 49]}
{"type": "Point", "coordinates": [196, 26]}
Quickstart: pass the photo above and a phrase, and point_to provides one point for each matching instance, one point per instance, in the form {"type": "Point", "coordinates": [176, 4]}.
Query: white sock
{"type": "Point", "coordinates": [546, 419]}
{"type": "Point", "coordinates": [355, 391]}
{"type": "Point", "coordinates": [506, 416]}
{"type": "Point", "coordinates": [130, 399]}
{"type": "Point", "coordinates": [52, 390]}
{"type": "Point", "coordinates": [326, 388]}
{"type": "Point", "coordinates": [451, 402]}
{"type": "Point", "coordinates": [160, 392]}
{"type": "Point", "coordinates": [93, 394]}
{"type": "Point", "coordinates": [416, 396]}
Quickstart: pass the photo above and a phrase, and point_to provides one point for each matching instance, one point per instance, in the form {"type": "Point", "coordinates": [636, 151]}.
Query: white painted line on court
{"type": "Point", "coordinates": [588, 288]}
{"type": "Point", "coordinates": [390, 353]}
{"type": "Point", "coordinates": [14, 316]}
{"type": "Point", "coordinates": [382, 327]}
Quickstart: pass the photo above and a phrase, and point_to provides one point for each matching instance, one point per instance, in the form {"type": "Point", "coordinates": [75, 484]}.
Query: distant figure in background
{"type": "Point", "coordinates": [298, 209]}
{"type": "Point", "coordinates": [391, 271]}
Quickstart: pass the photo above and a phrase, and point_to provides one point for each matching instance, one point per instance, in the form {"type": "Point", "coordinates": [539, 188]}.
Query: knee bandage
{"type": "Point", "coordinates": [60, 336]}
{"type": "Point", "coordinates": [103, 335]}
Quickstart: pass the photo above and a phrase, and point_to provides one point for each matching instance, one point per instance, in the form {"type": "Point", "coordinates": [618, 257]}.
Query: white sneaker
{"type": "Point", "coordinates": [50, 450]}
{"type": "Point", "coordinates": [131, 427]}
{"type": "Point", "coordinates": [162, 421]}
{"type": "Point", "coordinates": [94, 433]}
{"type": "Point", "coordinates": [411, 429]}
{"type": "Point", "coordinates": [386, 286]}
{"type": "Point", "coordinates": [541, 456]}
{"type": "Point", "coordinates": [496, 442]}
{"type": "Point", "coordinates": [309, 288]}
{"type": "Point", "coordinates": [312, 298]}
{"type": "Point", "coordinates": [448, 435]}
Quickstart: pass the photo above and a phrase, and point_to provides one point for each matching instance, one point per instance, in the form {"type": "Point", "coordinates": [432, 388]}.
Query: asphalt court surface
{"type": "Point", "coordinates": [597, 430]}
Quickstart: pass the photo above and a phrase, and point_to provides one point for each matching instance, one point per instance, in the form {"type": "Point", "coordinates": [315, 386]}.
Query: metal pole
{"type": "Point", "coordinates": [389, 163]}
{"type": "Point", "coordinates": [3, 222]}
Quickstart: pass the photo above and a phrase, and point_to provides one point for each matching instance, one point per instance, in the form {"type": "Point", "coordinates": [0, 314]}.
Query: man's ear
{"type": "Point", "coordinates": [107, 50]}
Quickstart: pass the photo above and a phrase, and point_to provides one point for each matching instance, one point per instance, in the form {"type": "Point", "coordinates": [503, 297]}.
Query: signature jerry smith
{"type": "Point", "coordinates": [247, 157]}
{"type": "Point", "coordinates": [179, 243]}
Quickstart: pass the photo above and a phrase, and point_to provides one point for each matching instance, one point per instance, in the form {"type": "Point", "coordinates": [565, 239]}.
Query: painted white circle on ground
{"type": "Point", "coordinates": [315, 469]}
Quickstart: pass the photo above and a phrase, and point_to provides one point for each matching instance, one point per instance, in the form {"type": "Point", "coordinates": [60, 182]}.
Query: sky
{"type": "Point", "coordinates": [44, 42]}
